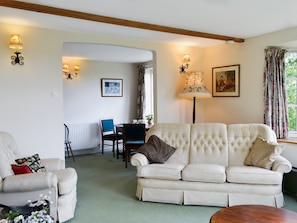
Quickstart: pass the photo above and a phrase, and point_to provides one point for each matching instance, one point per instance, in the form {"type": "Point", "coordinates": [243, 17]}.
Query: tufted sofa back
{"type": "Point", "coordinates": [241, 138]}
{"type": "Point", "coordinates": [8, 153]}
{"type": "Point", "coordinates": [176, 135]}
{"type": "Point", "coordinates": [209, 144]}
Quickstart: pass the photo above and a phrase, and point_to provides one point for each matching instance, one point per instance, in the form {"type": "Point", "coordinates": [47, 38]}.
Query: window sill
{"type": "Point", "coordinates": [291, 140]}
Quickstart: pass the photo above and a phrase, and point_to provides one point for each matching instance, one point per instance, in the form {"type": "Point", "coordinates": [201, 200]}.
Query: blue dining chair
{"type": "Point", "coordinates": [108, 134]}
{"type": "Point", "coordinates": [133, 138]}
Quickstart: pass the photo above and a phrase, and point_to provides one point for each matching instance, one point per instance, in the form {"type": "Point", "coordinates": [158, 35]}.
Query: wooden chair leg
{"type": "Point", "coordinates": [117, 148]}
{"type": "Point", "coordinates": [127, 152]}
{"type": "Point", "coordinates": [71, 152]}
{"type": "Point", "coordinates": [102, 152]}
{"type": "Point", "coordinates": [113, 150]}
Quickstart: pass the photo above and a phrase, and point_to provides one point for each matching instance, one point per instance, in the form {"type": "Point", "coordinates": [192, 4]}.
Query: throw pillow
{"type": "Point", "coordinates": [33, 162]}
{"type": "Point", "coordinates": [156, 150]}
{"type": "Point", "coordinates": [263, 154]}
{"type": "Point", "coordinates": [20, 169]}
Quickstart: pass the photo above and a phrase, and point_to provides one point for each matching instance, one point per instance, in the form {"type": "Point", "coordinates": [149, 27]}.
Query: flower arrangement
{"type": "Point", "coordinates": [149, 118]}
{"type": "Point", "coordinates": [36, 216]}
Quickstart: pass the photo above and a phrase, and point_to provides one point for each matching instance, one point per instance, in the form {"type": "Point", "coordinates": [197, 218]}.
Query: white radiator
{"type": "Point", "coordinates": [83, 135]}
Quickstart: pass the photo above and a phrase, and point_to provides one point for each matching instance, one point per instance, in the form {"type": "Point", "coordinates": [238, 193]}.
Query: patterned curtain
{"type": "Point", "coordinates": [275, 99]}
{"type": "Point", "coordinates": [140, 92]}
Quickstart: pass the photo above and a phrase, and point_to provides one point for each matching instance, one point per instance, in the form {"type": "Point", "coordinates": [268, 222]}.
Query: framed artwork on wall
{"type": "Point", "coordinates": [226, 81]}
{"type": "Point", "coordinates": [111, 87]}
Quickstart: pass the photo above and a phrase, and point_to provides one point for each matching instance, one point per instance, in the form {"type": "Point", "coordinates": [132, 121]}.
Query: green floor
{"type": "Point", "coordinates": [106, 193]}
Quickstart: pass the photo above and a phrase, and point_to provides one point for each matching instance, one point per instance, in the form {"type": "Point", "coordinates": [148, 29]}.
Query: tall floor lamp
{"type": "Point", "coordinates": [194, 88]}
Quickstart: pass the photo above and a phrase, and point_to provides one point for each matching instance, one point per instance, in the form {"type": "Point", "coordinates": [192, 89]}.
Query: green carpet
{"type": "Point", "coordinates": [106, 193]}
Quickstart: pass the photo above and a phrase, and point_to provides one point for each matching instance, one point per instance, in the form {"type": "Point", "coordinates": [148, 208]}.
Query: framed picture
{"type": "Point", "coordinates": [111, 87]}
{"type": "Point", "coordinates": [225, 81]}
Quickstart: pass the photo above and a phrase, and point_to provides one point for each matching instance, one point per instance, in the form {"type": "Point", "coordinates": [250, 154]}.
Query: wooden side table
{"type": "Point", "coordinates": [253, 214]}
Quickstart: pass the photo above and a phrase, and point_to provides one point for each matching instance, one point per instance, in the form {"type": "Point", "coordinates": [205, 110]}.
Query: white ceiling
{"type": "Point", "coordinates": [237, 18]}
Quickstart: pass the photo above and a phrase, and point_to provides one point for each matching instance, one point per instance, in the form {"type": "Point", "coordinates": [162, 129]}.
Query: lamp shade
{"type": "Point", "coordinates": [194, 86]}
{"type": "Point", "coordinates": [65, 68]}
{"type": "Point", "coordinates": [16, 42]}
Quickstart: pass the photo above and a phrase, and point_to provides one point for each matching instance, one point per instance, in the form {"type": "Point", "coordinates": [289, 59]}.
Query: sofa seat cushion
{"type": "Point", "coordinates": [211, 173]}
{"type": "Point", "coordinates": [252, 175]}
{"type": "Point", "coordinates": [67, 180]}
{"type": "Point", "coordinates": [166, 171]}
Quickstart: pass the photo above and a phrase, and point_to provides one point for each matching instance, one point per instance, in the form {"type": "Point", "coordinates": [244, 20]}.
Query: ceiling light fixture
{"type": "Point", "coordinates": [17, 45]}
{"type": "Point", "coordinates": [67, 73]}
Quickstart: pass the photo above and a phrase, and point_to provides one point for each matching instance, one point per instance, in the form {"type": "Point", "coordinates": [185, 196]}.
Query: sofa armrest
{"type": "Point", "coordinates": [281, 164]}
{"type": "Point", "coordinates": [29, 182]}
{"type": "Point", "coordinates": [139, 159]}
{"type": "Point", "coordinates": [53, 164]}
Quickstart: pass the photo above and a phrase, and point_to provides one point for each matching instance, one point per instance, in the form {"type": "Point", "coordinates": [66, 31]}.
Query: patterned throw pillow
{"type": "Point", "coordinates": [33, 162]}
{"type": "Point", "coordinates": [20, 169]}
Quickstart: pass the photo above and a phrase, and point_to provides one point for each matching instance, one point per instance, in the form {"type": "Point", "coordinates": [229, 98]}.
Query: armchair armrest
{"type": "Point", "coordinates": [1, 182]}
{"type": "Point", "coordinates": [139, 159]}
{"type": "Point", "coordinates": [281, 164]}
{"type": "Point", "coordinates": [29, 182]}
{"type": "Point", "coordinates": [53, 164]}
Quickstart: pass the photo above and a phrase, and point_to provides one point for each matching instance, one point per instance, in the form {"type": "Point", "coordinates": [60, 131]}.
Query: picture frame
{"type": "Point", "coordinates": [226, 81]}
{"type": "Point", "coordinates": [111, 87]}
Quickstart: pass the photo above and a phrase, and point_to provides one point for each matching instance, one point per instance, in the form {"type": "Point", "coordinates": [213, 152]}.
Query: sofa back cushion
{"type": "Point", "coordinates": [209, 144]}
{"type": "Point", "coordinates": [8, 154]}
{"type": "Point", "coordinates": [241, 138]}
{"type": "Point", "coordinates": [176, 135]}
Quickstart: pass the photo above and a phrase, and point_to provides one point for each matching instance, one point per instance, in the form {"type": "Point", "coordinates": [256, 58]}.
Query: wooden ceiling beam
{"type": "Point", "coordinates": [110, 20]}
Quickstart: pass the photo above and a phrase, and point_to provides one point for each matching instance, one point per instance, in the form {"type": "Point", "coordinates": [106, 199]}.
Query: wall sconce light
{"type": "Point", "coordinates": [17, 45]}
{"type": "Point", "coordinates": [67, 73]}
{"type": "Point", "coordinates": [186, 63]}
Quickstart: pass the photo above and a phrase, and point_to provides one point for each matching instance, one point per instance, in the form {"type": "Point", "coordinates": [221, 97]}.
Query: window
{"type": "Point", "coordinates": [149, 91]}
{"type": "Point", "coordinates": [291, 87]}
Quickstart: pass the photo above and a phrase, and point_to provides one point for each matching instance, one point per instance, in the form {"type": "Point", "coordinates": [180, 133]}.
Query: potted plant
{"type": "Point", "coordinates": [149, 118]}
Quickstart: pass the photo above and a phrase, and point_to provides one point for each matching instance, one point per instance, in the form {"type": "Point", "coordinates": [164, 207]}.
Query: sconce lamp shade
{"type": "Point", "coordinates": [16, 42]}
{"type": "Point", "coordinates": [186, 63]}
{"type": "Point", "coordinates": [65, 68]}
{"type": "Point", "coordinates": [76, 68]}
{"type": "Point", "coordinates": [186, 58]}
{"type": "Point", "coordinates": [194, 88]}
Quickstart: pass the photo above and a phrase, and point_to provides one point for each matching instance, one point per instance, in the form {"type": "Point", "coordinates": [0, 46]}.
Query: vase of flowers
{"type": "Point", "coordinates": [36, 211]}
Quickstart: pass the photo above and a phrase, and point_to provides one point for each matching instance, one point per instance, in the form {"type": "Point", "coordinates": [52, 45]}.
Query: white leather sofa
{"type": "Point", "coordinates": [58, 181]}
{"type": "Point", "coordinates": [208, 167]}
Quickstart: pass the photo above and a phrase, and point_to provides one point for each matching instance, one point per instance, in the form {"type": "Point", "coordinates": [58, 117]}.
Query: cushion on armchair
{"type": "Point", "coordinates": [33, 162]}
{"type": "Point", "coordinates": [20, 169]}
{"type": "Point", "coordinates": [156, 150]}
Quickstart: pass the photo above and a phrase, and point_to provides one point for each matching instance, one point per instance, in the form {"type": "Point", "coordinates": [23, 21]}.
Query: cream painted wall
{"type": "Point", "coordinates": [248, 108]}
{"type": "Point", "coordinates": [83, 102]}
{"type": "Point", "coordinates": [28, 111]}
{"type": "Point", "coordinates": [36, 119]}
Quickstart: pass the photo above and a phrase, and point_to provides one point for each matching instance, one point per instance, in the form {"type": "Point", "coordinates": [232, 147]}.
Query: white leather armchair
{"type": "Point", "coordinates": [59, 181]}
